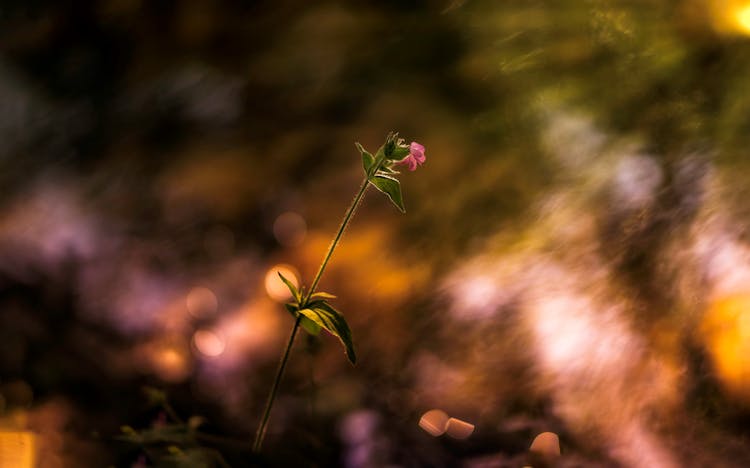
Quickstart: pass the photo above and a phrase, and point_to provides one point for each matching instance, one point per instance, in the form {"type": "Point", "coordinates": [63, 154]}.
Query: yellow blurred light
{"type": "Point", "coordinates": [170, 362]}
{"type": "Point", "coordinates": [18, 449]}
{"type": "Point", "coordinates": [742, 15]}
{"type": "Point", "coordinates": [275, 288]}
{"type": "Point", "coordinates": [730, 16]}
{"type": "Point", "coordinates": [725, 330]}
{"type": "Point", "coordinates": [208, 343]}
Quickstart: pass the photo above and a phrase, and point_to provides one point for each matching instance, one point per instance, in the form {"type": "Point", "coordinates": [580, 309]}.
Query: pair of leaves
{"type": "Point", "coordinates": [183, 449]}
{"type": "Point", "coordinates": [170, 433]}
{"type": "Point", "coordinates": [382, 177]}
{"type": "Point", "coordinates": [315, 313]}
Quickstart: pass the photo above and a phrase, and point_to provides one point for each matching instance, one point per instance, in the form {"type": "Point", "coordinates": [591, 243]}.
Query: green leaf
{"type": "Point", "coordinates": [391, 187]}
{"type": "Point", "coordinates": [171, 433]}
{"type": "Point", "coordinates": [367, 159]}
{"type": "Point", "coordinates": [292, 288]}
{"type": "Point", "coordinates": [174, 450]}
{"type": "Point", "coordinates": [330, 319]}
{"type": "Point", "coordinates": [321, 295]}
{"type": "Point", "coordinates": [310, 326]}
{"type": "Point", "coordinates": [399, 153]}
{"type": "Point", "coordinates": [380, 153]}
{"type": "Point", "coordinates": [154, 396]}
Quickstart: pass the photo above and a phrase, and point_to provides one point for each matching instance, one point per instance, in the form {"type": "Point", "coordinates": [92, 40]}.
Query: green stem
{"type": "Point", "coordinates": [334, 243]}
{"type": "Point", "coordinates": [347, 217]}
{"type": "Point", "coordinates": [272, 396]}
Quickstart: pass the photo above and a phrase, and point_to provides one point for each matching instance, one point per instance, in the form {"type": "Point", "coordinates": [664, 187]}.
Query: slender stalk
{"type": "Point", "coordinates": [282, 365]}
{"type": "Point", "coordinates": [334, 243]}
{"type": "Point", "coordinates": [272, 396]}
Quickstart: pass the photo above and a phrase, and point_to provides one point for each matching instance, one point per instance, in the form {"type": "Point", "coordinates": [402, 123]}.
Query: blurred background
{"type": "Point", "coordinates": [575, 256]}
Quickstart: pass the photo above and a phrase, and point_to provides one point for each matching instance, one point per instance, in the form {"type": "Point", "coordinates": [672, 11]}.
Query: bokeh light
{"type": "Point", "coordinates": [167, 358]}
{"type": "Point", "coordinates": [458, 429]}
{"type": "Point", "coordinates": [249, 334]}
{"type": "Point", "coordinates": [18, 449]}
{"type": "Point", "coordinates": [434, 422]}
{"type": "Point", "coordinates": [725, 328]}
{"type": "Point", "coordinates": [275, 288]}
{"type": "Point", "coordinates": [208, 343]}
{"type": "Point", "coordinates": [743, 18]}
{"type": "Point", "coordinates": [546, 444]}
{"type": "Point", "coordinates": [201, 302]}
{"type": "Point", "coordinates": [730, 16]}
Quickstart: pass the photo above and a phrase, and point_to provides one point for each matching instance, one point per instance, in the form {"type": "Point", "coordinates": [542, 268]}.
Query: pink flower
{"type": "Point", "coordinates": [416, 156]}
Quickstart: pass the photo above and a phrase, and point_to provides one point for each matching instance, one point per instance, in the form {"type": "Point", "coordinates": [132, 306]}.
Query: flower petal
{"type": "Point", "coordinates": [414, 146]}
{"type": "Point", "coordinates": [417, 151]}
{"type": "Point", "coordinates": [411, 162]}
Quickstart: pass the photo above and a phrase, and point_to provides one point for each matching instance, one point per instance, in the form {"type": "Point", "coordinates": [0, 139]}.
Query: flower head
{"type": "Point", "coordinates": [415, 158]}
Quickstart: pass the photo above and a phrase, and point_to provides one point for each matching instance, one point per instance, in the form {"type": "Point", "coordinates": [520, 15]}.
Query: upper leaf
{"type": "Point", "coordinates": [291, 286]}
{"type": "Point", "coordinates": [367, 159]}
{"type": "Point", "coordinates": [292, 309]}
{"type": "Point", "coordinates": [321, 295]}
{"type": "Point", "coordinates": [155, 396]}
{"type": "Point", "coordinates": [391, 187]}
{"type": "Point", "coordinates": [330, 319]}
{"type": "Point", "coordinates": [169, 433]}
